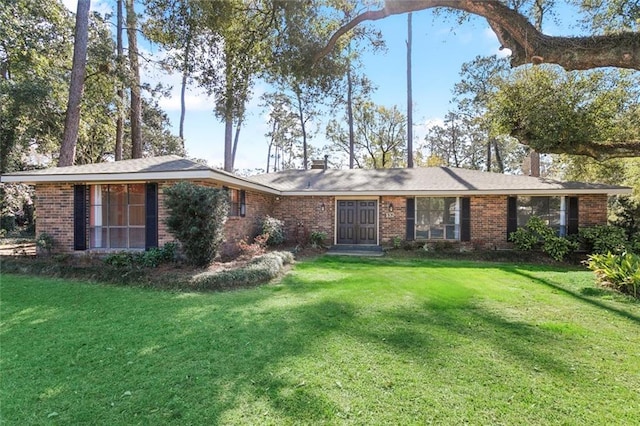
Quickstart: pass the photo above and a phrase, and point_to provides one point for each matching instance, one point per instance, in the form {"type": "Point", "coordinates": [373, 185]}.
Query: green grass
{"type": "Point", "coordinates": [337, 341]}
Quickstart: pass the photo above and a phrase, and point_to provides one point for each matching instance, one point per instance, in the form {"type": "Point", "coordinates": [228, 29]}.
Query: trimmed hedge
{"type": "Point", "coordinates": [260, 270]}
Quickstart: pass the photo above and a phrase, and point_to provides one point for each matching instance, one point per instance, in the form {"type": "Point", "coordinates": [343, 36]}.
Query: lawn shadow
{"type": "Point", "coordinates": [584, 295]}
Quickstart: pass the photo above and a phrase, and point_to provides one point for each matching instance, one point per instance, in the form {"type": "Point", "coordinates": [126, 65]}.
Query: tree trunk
{"type": "Point", "coordinates": [136, 100]}
{"type": "Point", "coordinates": [120, 91]}
{"type": "Point", "coordinates": [304, 130]}
{"type": "Point", "coordinates": [183, 88]}
{"type": "Point", "coordinates": [76, 85]}
{"type": "Point", "coordinates": [228, 147]}
{"type": "Point", "coordinates": [409, 96]}
{"type": "Point", "coordinates": [236, 138]}
{"type": "Point", "coordinates": [350, 114]}
{"type": "Point", "coordinates": [496, 148]}
{"type": "Point", "coordinates": [489, 143]}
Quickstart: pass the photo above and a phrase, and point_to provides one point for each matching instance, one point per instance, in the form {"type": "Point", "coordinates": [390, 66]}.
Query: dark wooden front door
{"type": "Point", "coordinates": [357, 223]}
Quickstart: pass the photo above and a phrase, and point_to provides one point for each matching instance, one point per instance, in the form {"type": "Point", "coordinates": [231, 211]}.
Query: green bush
{"type": "Point", "coordinates": [619, 271]}
{"type": "Point", "coordinates": [538, 235]}
{"type": "Point", "coordinates": [603, 239]}
{"type": "Point", "coordinates": [523, 239]}
{"type": "Point", "coordinates": [151, 258]}
{"type": "Point", "coordinates": [45, 242]}
{"type": "Point", "coordinates": [121, 259]}
{"type": "Point", "coordinates": [275, 228]}
{"type": "Point", "coordinates": [259, 270]}
{"type": "Point", "coordinates": [197, 215]}
{"type": "Point", "coordinates": [317, 238]}
{"type": "Point", "coordinates": [532, 235]}
{"type": "Point", "coordinates": [558, 248]}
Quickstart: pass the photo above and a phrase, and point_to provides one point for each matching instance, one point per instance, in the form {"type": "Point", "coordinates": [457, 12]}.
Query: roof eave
{"type": "Point", "coordinates": [34, 179]}
{"type": "Point", "coordinates": [460, 193]}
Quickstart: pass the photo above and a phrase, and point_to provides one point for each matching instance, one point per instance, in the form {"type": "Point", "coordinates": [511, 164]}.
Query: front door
{"type": "Point", "coordinates": [357, 222]}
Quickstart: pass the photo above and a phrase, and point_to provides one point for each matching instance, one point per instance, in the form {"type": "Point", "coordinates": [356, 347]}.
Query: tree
{"type": "Point", "coordinates": [120, 90]}
{"type": "Point", "coordinates": [618, 47]}
{"type": "Point", "coordinates": [595, 114]}
{"type": "Point", "coordinates": [380, 136]}
{"type": "Point", "coordinates": [284, 134]}
{"type": "Point", "coordinates": [409, 95]}
{"type": "Point", "coordinates": [479, 79]}
{"type": "Point", "coordinates": [76, 86]}
{"type": "Point", "coordinates": [134, 75]}
{"type": "Point", "coordinates": [35, 52]}
{"type": "Point", "coordinates": [527, 44]}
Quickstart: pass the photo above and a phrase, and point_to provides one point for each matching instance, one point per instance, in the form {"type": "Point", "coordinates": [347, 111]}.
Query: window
{"type": "Point", "coordinates": [237, 206]}
{"type": "Point", "coordinates": [117, 216]}
{"type": "Point", "coordinates": [552, 210]}
{"type": "Point", "coordinates": [437, 218]}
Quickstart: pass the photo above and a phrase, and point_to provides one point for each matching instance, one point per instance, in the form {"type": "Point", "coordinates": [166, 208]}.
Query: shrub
{"type": "Point", "coordinates": [275, 229]}
{"type": "Point", "coordinates": [45, 242]}
{"type": "Point", "coordinates": [151, 258]}
{"type": "Point", "coordinates": [619, 271]}
{"type": "Point", "coordinates": [603, 239]}
{"type": "Point", "coordinates": [256, 248]}
{"type": "Point", "coordinates": [196, 218]}
{"type": "Point", "coordinates": [558, 248]}
{"type": "Point", "coordinates": [532, 235]}
{"type": "Point", "coordinates": [538, 235]}
{"type": "Point", "coordinates": [121, 259]}
{"type": "Point", "coordinates": [259, 270]}
{"type": "Point", "coordinates": [156, 256]}
{"type": "Point", "coordinates": [317, 238]}
{"type": "Point", "coordinates": [396, 241]}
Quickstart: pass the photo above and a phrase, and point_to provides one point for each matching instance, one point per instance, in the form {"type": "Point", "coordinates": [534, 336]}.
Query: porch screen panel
{"type": "Point", "coordinates": [117, 216]}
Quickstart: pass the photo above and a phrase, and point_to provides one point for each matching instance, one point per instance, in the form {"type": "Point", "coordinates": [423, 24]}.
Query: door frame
{"type": "Point", "coordinates": [356, 198]}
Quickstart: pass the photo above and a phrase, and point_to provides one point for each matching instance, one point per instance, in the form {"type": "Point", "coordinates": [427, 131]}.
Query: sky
{"type": "Point", "coordinates": [440, 47]}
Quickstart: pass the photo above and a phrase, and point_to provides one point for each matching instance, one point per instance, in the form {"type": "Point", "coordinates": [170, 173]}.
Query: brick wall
{"type": "Point", "coordinates": [303, 215]}
{"type": "Point", "coordinates": [592, 210]}
{"type": "Point", "coordinates": [489, 221]}
{"type": "Point", "coordinates": [54, 212]}
{"type": "Point", "coordinates": [392, 224]}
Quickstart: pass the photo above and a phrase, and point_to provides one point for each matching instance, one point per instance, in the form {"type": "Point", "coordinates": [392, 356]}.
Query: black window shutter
{"type": "Point", "coordinates": [151, 215]}
{"type": "Point", "coordinates": [512, 215]}
{"type": "Point", "coordinates": [572, 223]}
{"type": "Point", "coordinates": [465, 219]}
{"type": "Point", "coordinates": [243, 203]}
{"type": "Point", "coordinates": [411, 219]}
{"type": "Point", "coordinates": [79, 217]}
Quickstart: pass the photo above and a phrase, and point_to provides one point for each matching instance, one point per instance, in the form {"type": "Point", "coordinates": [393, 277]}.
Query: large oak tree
{"type": "Point", "coordinates": [529, 45]}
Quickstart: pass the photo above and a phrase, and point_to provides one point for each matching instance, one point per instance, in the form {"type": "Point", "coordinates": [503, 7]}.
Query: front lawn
{"type": "Point", "coordinates": [339, 340]}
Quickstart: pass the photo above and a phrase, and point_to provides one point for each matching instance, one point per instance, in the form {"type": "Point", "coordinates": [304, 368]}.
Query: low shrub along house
{"type": "Point", "coordinates": [119, 205]}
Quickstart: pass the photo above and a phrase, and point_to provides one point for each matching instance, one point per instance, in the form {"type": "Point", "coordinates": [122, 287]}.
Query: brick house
{"type": "Point", "coordinates": [119, 206]}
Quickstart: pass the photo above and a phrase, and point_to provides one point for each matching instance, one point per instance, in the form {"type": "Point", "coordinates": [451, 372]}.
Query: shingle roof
{"type": "Point", "coordinates": [167, 163]}
{"type": "Point", "coordinates": [417, 180]}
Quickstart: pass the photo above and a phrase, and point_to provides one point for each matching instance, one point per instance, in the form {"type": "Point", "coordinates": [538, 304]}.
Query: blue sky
{"type": "Point", "coordinates": [438, 53]}
{"type": "Point", "coordinates": [439, 50]}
